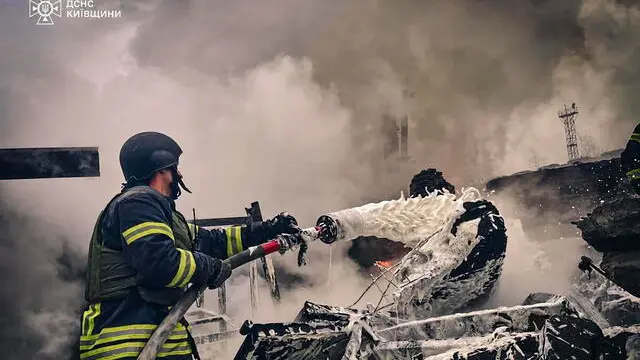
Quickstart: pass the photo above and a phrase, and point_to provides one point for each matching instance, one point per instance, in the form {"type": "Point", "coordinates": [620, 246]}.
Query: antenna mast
{"type": "Point", "coordinates": [568, 116]}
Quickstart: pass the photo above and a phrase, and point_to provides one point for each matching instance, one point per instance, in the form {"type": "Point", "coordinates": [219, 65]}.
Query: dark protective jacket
{"type": "Point", "coordinates": [630, 159]}
{"type": "Point", "coordinates": [142, 255]}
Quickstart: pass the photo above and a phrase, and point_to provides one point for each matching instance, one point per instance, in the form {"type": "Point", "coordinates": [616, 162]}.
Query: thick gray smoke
{"type": "Point", "coordinates": [485, 79]}
{"type": "Point", "coordinates": [39, 297]}
{"type": "Point", "coordinates": [280, 101]}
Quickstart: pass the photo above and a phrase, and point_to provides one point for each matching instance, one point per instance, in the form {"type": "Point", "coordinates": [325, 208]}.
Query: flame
{"type": "Point", "coordinates": [384, 264]}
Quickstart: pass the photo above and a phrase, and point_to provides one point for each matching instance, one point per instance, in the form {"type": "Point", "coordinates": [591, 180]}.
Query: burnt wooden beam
{"type": "Point", "coordinates": [47, 163]}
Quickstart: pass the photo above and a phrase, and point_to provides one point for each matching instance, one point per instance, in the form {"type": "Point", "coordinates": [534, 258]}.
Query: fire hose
{"type": "Point", "coordinates": [324, 231]}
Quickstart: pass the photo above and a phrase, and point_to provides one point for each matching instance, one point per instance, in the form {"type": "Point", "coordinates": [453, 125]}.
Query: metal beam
{"type": "Point", "coordinates": [481, 322]}
{"type": "Point", "coordinates": [228, 221]}
{"type": "Point", "coordinates": [46, 163]}
{"type": "Point", "coordinates": [255, 214]}
{"type": "Point", "coordinates": [211, 338]}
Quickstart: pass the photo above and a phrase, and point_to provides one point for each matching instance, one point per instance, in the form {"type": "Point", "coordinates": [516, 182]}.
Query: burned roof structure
{"type": "Point", "coordinates": [553, 196]}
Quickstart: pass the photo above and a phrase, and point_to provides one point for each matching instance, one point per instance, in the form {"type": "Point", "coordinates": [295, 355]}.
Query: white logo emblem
{"type": "Point", "coordinates": [45, 10]}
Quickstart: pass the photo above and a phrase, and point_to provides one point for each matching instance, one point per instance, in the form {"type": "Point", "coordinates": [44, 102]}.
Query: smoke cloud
{"type": "Point", "coordinates": [485, 79]}
{"type": "Point", "coordinates": [39, 297]}
{"type": "Point", "coordinates": [280, 102]}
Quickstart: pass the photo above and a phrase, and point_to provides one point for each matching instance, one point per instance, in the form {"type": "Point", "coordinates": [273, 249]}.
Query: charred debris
{"type": "Point", "coordinates": [552, 197]}
{"type": "Point", "coordinates": [597, 319]}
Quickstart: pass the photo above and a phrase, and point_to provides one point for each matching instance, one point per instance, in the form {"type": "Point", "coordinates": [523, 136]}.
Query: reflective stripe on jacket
{"type": "Point", "coordinates": [142, 256]}
{"type": "Point", "coordinates": [630, 157]}
{"type": "Point", "coordinates": [119, 329]}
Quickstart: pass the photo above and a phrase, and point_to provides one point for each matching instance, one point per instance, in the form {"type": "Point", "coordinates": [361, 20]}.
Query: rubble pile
{"type": "Point", "coordinates": [545, 324]}
{"type": "Point", "coordinates": [553, 196]}
{"type": "Point", "coordinates": [433, 314]}
{"type": "Point", "coordinates": [617, 306]}
{"type": "Point", "coordinates": [463, 275]}
{"type": "Point", "coordinates": [613, 228]}
{"type": "Point", "coordinates": [465, 233]}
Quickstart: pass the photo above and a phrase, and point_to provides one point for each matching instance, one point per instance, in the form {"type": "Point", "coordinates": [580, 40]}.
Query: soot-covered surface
{"type": "Point", "coordinates": [463, 264]}
{"type": "Point", "coordinates": [319, 332]}
{"type": "Point", "coordinates": [460, 244]}
{"type": "Point", "coordinates": [367, 250]}
{"type": "Point", "coordinates": [563, 193]}
{"type": "Point", "coordinates": [613, 228]}
{"type": "Point", "coordinates": [545, 322]}
{"type": "Point", "coordinates": [294, 341]}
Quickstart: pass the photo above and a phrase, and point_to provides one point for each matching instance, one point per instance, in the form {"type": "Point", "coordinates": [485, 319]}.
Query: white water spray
{"type": "Point", "coordinates": [423, 223]}
{"type": "Point", "coordinates": [404, 220]}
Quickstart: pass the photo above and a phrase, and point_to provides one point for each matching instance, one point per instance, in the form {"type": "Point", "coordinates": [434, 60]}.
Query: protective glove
{"type": "Point", "coordinates": [283, 223]}
{"type": "Point", "coordinates": [214, 272]}
{"type": "Point", "coordinates": [288, 241]}
{"type": "Point", "coordinates": [216, 281]}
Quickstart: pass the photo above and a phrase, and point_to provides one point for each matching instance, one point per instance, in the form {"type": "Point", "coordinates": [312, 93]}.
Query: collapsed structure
{"type": "Point", "coordinates": [552, 197]}
{"type": "Point", "coordinates": [613, 229]}
{"type": "Point", "coordinates": [465, 234]}
{"type": "Point", "coordinates": [455, 259]}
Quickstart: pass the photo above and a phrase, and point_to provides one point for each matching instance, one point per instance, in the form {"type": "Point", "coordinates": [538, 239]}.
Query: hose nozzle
{"type": "Point", "coordinates": [328, 229]}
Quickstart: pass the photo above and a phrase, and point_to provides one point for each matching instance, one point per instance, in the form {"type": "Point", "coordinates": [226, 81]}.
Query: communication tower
{"type": "Point", "coordinates": [568, 116]}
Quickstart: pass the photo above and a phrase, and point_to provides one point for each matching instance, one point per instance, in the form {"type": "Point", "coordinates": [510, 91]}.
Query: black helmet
{"type": "Point", "coordinates": [147, 152]}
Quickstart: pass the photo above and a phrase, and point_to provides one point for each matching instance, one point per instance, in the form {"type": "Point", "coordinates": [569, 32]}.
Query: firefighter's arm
{"type": "Point", "coordinates": [149, 246]}
{"type": "Point", "coordinates": [222, 243]}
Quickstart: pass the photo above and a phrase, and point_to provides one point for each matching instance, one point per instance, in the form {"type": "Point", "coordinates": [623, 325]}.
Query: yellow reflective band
{"type": "Point", "coordinates": [635, 137]}
{"type": "Point", "coordinates": [172, 349]}
{"type": "Point", "coordinates": [147, 228]}
{"type": "Point", "coordinates": [193, 229]}
{"type": "Point", "coordinates": [633, 174]}
{"type": "Point", "coordinates": [186, 268]}
{"type": "Point", "coordinates": [133, 349]}
{"type": "Point", "coordinates": [128, 348]}
{"type": "Point", "coordinates": [88, 318]}
{"type": "Point", "coordinates": [133, 332]}
{"type": "Point", "coordinates": [234, 240]}
{"type": "Point", "coordinates": [89, 342]}
{"type": "Point", "coordinates": [143, 327]}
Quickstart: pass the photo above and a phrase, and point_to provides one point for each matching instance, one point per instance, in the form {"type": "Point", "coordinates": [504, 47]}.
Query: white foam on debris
{"type": "Point", "coordinates": [423, 223]}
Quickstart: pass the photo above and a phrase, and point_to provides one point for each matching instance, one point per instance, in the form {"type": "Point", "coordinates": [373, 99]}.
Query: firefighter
{"type": "Point", "coordinates": [630, 159]}
{"type": "Point", "coordinates": [143, 254]}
